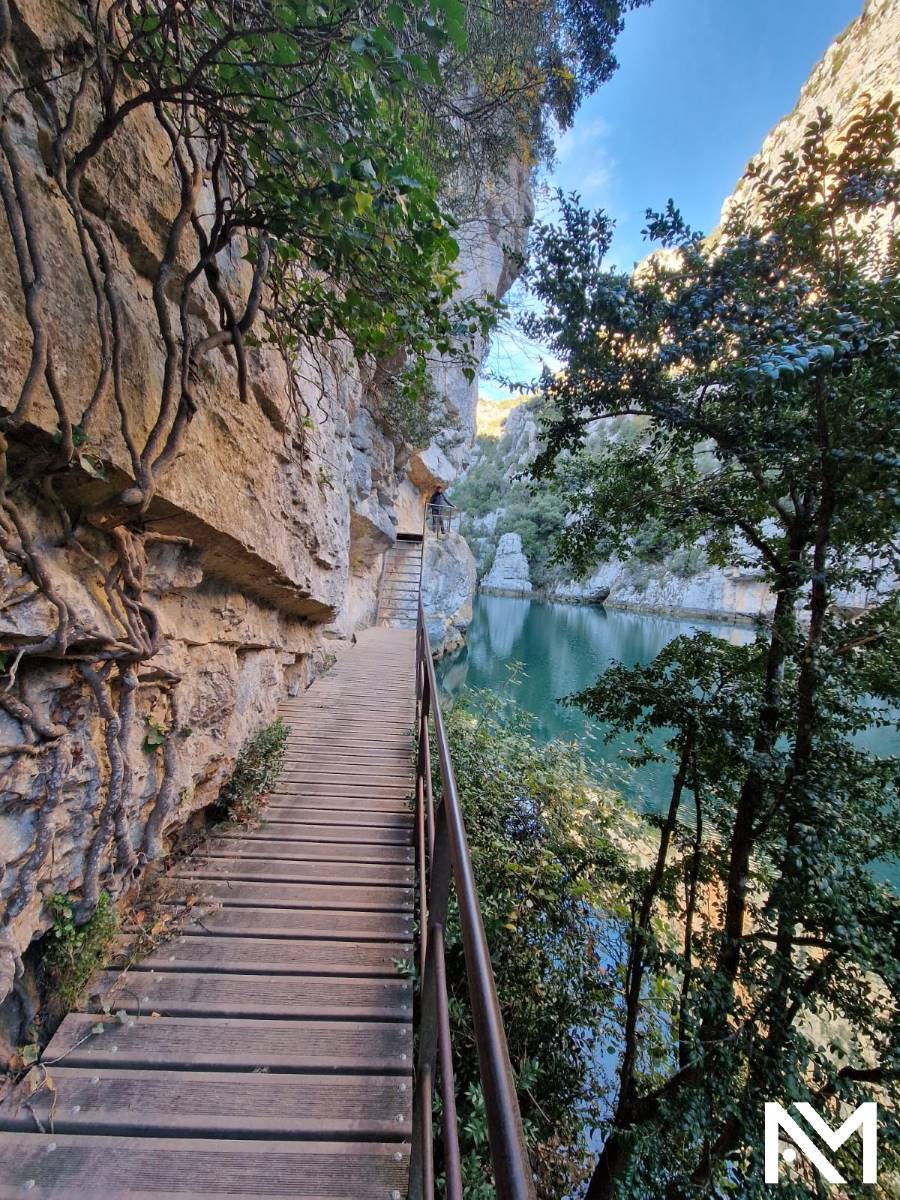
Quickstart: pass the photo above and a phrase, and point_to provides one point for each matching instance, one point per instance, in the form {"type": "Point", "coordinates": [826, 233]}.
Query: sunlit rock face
{"type": "Point", "coordinates": [286, 506]}
{"type": "Point", "coordinates": [448, 585]}
{"type": "Point", "coordinates": [509, 570]}
{"type": "Point", "coordinates": [710, 592]}
{"type": "Point", "coordinates": [863, 61]}
{"type": "Point", "coordinates": [492, 224]}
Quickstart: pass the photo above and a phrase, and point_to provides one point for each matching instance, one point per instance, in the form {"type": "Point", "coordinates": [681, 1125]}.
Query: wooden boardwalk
{"type": "Point", "coordinates": [267, 1050]}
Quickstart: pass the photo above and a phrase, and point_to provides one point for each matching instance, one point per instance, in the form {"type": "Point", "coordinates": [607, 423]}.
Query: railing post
{"type": "Point", "coordinates": [420, 1163]}
{"type": "Point", "coordinates": [449, 858]}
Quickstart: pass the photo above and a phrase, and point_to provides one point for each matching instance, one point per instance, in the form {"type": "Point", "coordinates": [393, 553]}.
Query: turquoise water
{"type": "Point", "coordinates": [532, 653]}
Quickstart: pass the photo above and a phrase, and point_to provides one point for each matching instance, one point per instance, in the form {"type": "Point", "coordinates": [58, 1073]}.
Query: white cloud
{"type": "Point", "coordinates": [585, 163]}
{"type": "Point", "coordinates": [580, 137]}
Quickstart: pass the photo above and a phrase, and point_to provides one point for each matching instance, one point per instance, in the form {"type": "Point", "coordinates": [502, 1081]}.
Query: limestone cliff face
{"type": "Point", "coordinates": [448, 585]}
{"type": "Point", "coordinates": [509, 571]}
{"type": "Point", "coordinates": [498, 226]}
{"type": "Point", "coordinates": [863, 60]}
{"type": "Point", "coordinates": [270, 527]}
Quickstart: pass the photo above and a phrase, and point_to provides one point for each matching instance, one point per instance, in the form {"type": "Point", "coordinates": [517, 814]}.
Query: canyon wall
{"type": "Point", "coordinates": [264, 538]}
{"type": "Point", "coordinates": [863, 60]}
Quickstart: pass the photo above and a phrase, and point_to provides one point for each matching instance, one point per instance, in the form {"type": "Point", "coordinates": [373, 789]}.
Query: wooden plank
{"type": "Point", "coordinates": [345, 724]}
{"type": "Point", "coordinates": [304, 923]}
{"type": "Point", "coordinates": [331, 766]}
{"type": "Point", "coordinates": [98, 1100]}
{"type": "Point", "coordinates": [343, 719]}
{"type": "Point", "coordinates": [274, 956]}
{"type": "Point", "coordinates": [190, 993]}
{"type": "Point", "coordinates": [365, 755]}
{"type": "Point", "coordinates": [216, 1043]}
{"type": "Point", "coordinates": [352, 759]}
{"type": "Point", "coordinates": [368, 778]}
{"type": "Point", "coordinates": [316, 772]}
{"type": "Point", "coordinates": [354, 701]}
{"type": "Point", "coordinates": [91, 1168]}
{"type": "Point", "coordinates": [252, 844]}
{"type": "Point", "coordinates": [262, 870]}
{"type": "Point", "coordinates": [306, 895]}
{"type": "Point", "coordinates": [290, 799]}
{"type": "Point", "coordinates": [313, 832]}
{"type": "Point", "coordinates": [346, 789]}
{"type": "Point", "coordinates": [361, 818]}
{"type": "Point", "coordinates": [363, 744]}
{"type": "Point", "coordinates": [347, 745]}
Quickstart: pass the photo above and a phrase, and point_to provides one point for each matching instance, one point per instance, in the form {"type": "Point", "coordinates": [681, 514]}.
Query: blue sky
{"type": "Point", "coordinates": [700, 84]}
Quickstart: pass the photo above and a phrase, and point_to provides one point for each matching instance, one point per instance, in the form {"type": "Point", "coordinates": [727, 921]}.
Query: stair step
{"type": "Point", "coordinates": [274, 956]}
{"type": "Point", "coordinates": [252, 844]}
{"type": "Point", "coordinates": [273, 921]}
{"type": "Point", "coordinates": [303, 895]}
{"type": "Point", "coordinates": [202, 993]}
{"type": "Point", "coordinates": [245, 1104]}
{"type": "Point", "coordinates": [233, 1043]}
{"type": "Point", "coordinates": [260, 870]}
{"type": "Point", "coordinates": [84, 1167]}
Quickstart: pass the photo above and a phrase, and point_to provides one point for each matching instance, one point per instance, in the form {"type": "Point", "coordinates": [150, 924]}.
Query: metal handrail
{"type": "Point", "coordinates": [443, 857]}
{"type": "Point", "coordinates": [439, 518]}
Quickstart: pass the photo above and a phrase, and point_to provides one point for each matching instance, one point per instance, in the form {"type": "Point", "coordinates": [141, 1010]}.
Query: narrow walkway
{"type": "Point", "coordinates": [398, 594]}
{"type": "Point", "coordinates": [267, 1051]}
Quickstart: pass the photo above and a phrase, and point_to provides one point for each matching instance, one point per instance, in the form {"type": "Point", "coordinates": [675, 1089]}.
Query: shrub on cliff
{"type": "Point", "coordinates": [256, 769]}
{"type": "Point", "coordinates": [545, 866]}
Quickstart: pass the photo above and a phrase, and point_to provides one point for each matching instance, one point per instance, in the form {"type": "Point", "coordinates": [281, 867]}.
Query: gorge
{"type": "Point", "coordinates": [511, 527]}
{"type": "Point", "coordinates": [518, 850]}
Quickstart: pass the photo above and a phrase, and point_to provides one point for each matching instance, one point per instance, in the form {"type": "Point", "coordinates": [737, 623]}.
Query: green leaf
{"type": "Point", "coordinates": [396, 15]}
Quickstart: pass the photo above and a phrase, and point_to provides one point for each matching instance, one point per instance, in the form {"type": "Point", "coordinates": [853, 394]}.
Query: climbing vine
{"type": "Point", "coordinates": [296, 206]}
{"type": "Point", "coordinates": [302, 213]}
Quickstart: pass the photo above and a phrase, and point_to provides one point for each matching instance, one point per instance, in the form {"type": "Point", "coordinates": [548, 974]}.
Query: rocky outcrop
{"type": "Point", "coordinates": [448, 585]}
{"type": "Point", "coordinates": [521, 440]}
{"type": "Point", "coordinates": [863, 60]}
{"type": "Point", "coordinates": [710, 593]}
{"type": "Point", "coordinates": [264, 537]}
{"type": "Point", "coordinates": [494, 220]}
{"type": "Point", "coordinates": [509, 571]}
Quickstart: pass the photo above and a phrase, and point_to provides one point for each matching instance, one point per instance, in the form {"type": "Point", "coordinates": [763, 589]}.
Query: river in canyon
{"type": "Point", "coordinates": [529, 654]}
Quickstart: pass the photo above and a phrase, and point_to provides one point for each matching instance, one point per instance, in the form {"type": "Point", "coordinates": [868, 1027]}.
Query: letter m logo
{"type": "Point", "coordinates": [777, 1120]}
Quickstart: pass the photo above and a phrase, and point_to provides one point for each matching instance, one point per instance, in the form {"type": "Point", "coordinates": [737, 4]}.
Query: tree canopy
{"type": "Point", "coordinates": [762, 366]}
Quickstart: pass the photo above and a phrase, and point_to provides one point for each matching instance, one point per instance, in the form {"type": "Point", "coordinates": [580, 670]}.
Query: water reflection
{"type": "Point", "coordinates": [562, 648]}
{"type": "Point", "coordinates": [504, 623]}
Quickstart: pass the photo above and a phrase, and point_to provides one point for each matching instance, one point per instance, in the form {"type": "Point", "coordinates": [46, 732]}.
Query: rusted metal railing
{"type": "Point", "coordinates": [443, 861]}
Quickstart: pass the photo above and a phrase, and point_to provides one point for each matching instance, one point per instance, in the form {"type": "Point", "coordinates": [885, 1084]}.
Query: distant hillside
{"type": "Point", "coordinates": [491, 415]}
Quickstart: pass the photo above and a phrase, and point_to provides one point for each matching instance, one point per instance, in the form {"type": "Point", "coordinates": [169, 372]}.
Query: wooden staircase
{"type": "Point", "coordinates": [398, 594]}
{"type": "Point", "coordinates": [267, 1051]}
